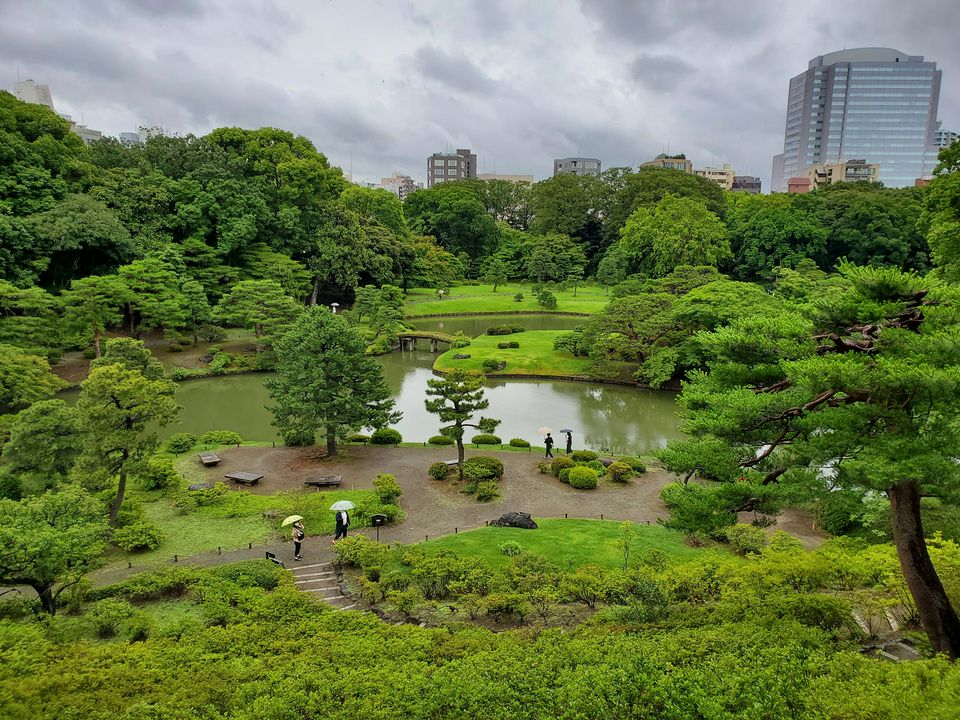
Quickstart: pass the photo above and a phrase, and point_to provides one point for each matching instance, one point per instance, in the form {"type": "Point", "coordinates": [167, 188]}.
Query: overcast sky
{"type": "Point", "coordinates": [378, 86]}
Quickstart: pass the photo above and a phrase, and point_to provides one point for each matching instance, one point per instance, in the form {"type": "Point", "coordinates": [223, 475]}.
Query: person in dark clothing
{"type": "Point", "coordinates": [548, 443]}
{"type": "Point", "coordinates": [569, 443]}
{"type": "Point", "coordinates": [343, 522]}
{"type": "Point", "coordinates": [297, 536]}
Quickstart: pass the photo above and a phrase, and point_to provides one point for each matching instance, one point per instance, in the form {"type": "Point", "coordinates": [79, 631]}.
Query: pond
{"type": "Point", "coordinates": [603, 417]}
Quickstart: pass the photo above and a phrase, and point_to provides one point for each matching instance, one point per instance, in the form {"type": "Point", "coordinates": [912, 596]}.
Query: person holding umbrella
{"type": "Point", "coordinates": [297, 534]}
{"type": "Point", "coordinates": [343, 518]}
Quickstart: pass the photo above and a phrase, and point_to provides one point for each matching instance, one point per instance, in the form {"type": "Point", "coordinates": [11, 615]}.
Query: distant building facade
{"type": "Point", "coordinates": [526, 179]}
{"type": "Point", "coordinates": [671, 162]}
{"type": "Point", "coordinates": [799, 185]}
{"type": "Point", "coordinates": [849, 171]}
{"type": "Point", "coordinates": [29, 92]}
{"type": "Point", "coordinates": [447, 167]}
{"type": "Point", "coordinates": [400, 185]}
{"type": "Point", "coordinates": [944, 138]}
{"type": "Point", "coordinates": [721, 176]}
{"type": "Point", "coordinates": [577, 166]}
{"type": "Point", "coordinates": [879, 104]}
{"type": "Point", "coordinates": [746, 183]}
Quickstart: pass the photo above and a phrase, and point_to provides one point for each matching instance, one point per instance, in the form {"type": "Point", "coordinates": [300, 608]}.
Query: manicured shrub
{"type": "Point", "coordinates": [564, 475]}
{"type": "Point", "coordinates": [518, 328]}
{"type": "Point", "coordinates": [89, 353]}
{"type": "Point", "coordinates": [560, 463]}
{"type": "Point", "coordinates": [519, 442]}
{"type": "Point", "coordinates": [485, 439]}
{"type": "Point", "coordinates": [619, 472]}
{"type": "Point", "coordinates": [499, 330]}
{"type": "Point", "coordinates": [583, 478]}
{"type": "Point", "coordinates": [460, 340]}
{"type": "Point", "coordinates": [597, 467]}
{"type": "Point", "coordinates": [482, 467]}
{"type": "Point", "coordinates": [386, 436]}
{"type": "Point", "coordinates": [511, 548]}
{"type": "Point", "coordinates": [508, 345]}
{"type": "Point", "coordinates": [180, 442]}
{"type": "Point", "coordinates": [583, 455]}
{"type": "Point", "coordinates": [138, 537]}
{"type": "Point", "coordinates": [490, 365]}
{"type": "Point", "coordinates": [518, 297]}
{"type": "Point", "coordinates": [220, 437]}
{"type": "Point", "coordinates": [175, 348]}
{"type": "Point", "coordinates": [544, 467]}
{"type": "Point", "coordinates": [211, 333]}
{"type": "Point", "coordinates": [159, 474]}
{"type": "Point", "coordinates": [251, 573]}
{"type": "Point", "coordinates": [547, 300]}
{"type": "Point", "coordinates": [220, 363]}
{"type": "Point", "coordinates": [745, 539]}
{"type": "Point", "coordinates": [441, 440]}
{"type": "Point", "coordinates": [636, 463]}
{"type": "Point", "coordinates": [107, 616]}
{"type": "Point", "coordinates": [439, 471]}
{"type": "Point", "coordinates": [487, 491]}
{"type": "Point", "coordinates": [358, 438]}
{"type": "Point", "coordinates": [387, 488]}
{"type": "Point", "coordinates": [298, 437]}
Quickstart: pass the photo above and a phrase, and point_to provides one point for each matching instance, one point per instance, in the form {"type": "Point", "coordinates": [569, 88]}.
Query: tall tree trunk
{"type": "Point", "coordinates": [316, 291]}
{"type": "Point", "coordinates": [331, 440]}
{"type": "Point", "coordinates": [939, 619]}
{"type": "Point", "coordinates": [47, 600]}
{"type": "Point", "coordinates": [460, 454]}
{"type": "Point", "coordinates": [132, 323]}
{"type": "Point", "coordinates": [96, 339]}
{"type": "Point", "coordinates": [121, 489]}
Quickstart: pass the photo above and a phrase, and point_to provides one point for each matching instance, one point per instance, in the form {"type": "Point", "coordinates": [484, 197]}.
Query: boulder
{"type": "Point", "coordinates": [607, 462]}
{"type": "Point", "coordinates": [458, 356]}
{"type": "Point", "coordinates": [515, 519]}
{"type": "Point", "coordinates": [199, 486]}
{"type": "Point", "coordinates": [206, 358]}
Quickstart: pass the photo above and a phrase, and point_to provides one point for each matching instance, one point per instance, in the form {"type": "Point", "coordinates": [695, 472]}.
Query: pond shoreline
{"type": "Point", "coordinates": [505, 313]}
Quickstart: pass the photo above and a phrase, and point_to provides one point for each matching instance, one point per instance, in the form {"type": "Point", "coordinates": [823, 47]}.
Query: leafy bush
{"type": "Point", "coordinates": [211, 333]}
{"type": "Point", "coordinates": [386, 436]}
{"type": "Point", "coordinates": [491, 365]}
{"type": "Point", "coordinates": [696, 508]}
{"type": "Point", "coordinates": [220, 363]}
{"type": "Point", "coordinates": [175, 348]}
{"type": "Point", "coordinates": [518, 297]}
{"type": "Point", "coordinates": [107, 616]}
{"type": "Point", "coordinates": [560, 463]}
{"type": "Point", "coordinates": [518, 328]}
{"type": "Point", "coordinates": [508, 345]}
{"type": "Point", "coordinates": [358, 438]}
{"type": "Point", "coordinates": [841, 512]}
{"type": "Point", "coordinates": [387, 488]}
{"type": "Point", "coordinates": [180, 442]}
{"type": "Point", "coordinates": [482, 467]}
{"type": "Point", "coordinates": [460, 340]}
{"type": "Point", "coordinates": [511, 548]}
{"type": "Point", "coordinates": [251, 573]}
{"type": "Point", "coordinates": [441, 440]}
{"type": "Point", "coordinates": [564, 475]}
{"type": "Point", "coordinates": [501, 606]}
{"type": "Point", "coordinates": [547, 300]}
{"type": "Point", "coordinates": [543, 466]}
{"type": "Point", "coordinates": [439, 471]}
{"type": "Point", "coordinates": [298, 437]}
{"type": "Point", "coordinates": [221, 437]}
{"type": "Point", "coordinates": [634, 462]}
{"type": "Point", "coordinates": [89, 353]}
{"type": "Point", "coordinates": [138, 537]}
{"type": "Point", "coordinates": [485, 439]}
{"type": "Point", "coordinates": [620, 472]}
{"type": "Point", "coordinates": [745, 539]}
{"type": "Point", "coordinates": [487, 491]}
{"type": "Point", "coordinates": [519, 442]}
{"type": "Point", "coordinates": [598, 467]}
{"type": "Point", "coordinates": [499, 330]}
{"type": "Point", "coordinates": [583, 478]}
{"type": "Point", "coordinates": [214, 350]}
{"type": "Point", "coordinates": [583, 455]}
{"type": "Point", "coordinates": [160, 474]}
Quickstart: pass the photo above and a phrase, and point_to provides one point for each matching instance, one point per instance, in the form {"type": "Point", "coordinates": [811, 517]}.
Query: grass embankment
{"type": "Point", "coordinates": [479, 299]}
{"type": "Point", "coordinates": [535, 356]}
{"type": "Point", "coordinates": [566, 543]}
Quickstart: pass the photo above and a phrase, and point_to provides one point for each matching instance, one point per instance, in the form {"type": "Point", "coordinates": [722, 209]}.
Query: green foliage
{"type": "Point", "coordinates": [511, 548]}
{"type": "Point", "coordinates": [25, 379]}
{"type": "Point", "coordinates": [455, 398]}
{"type": "Point", "coordinates": [180, 442]}
{"type": "Point", "coordinates": [490, 365]}
{"type": "Point", "coordinates": [138, 536]}
{"type": "Point", "coordinates": [441, 440]}
{"type": "Point", "coordinates": [508, 345]}
{"type": "Point", "coordinates": [108, 615]}
{"type": "Point", "coordinates": [582, 478]}
{"type": "Point", "coordinates": [519, 442]}
{"type": "Point", "coordinates": [482, 467]}
{"type": "Point", "coordinates": [387, 488]}
{"type": "Point", "coordinates": [620, 472]}
{"type": "Point", "coordinates": [559, 463]}
{"type": "Point", "coordinates": [745, 539]}
{"type": "Point", "coordinates": [220, 437]}
{"type": "Point", "coordinates": [564, 475]}
{"type": "Point", "coordinates": [636, 463]}
{"type": "Point", "coordinates": [695, 508]}
{"type": "Point", "coordinates": [358, 438]}
{"type": "Point", "coordinates": [43, 445]}
{"type": "Point", "coordinates": [487, 491]}
{"type": "Point", "coordinates": [500, 330]}
{"type": "Point", "coordinates": [485, 439]}
{"type": "Point", "coordinates": [439, 470]}
{"type": "Point", "coordinates": [386, 436]}
{"type": "Point", "coordinates": [583, 455]}
{"type": "Point", "coordinates": [547, 300]}
{"type": "Point", "coordinates": [160, 474]}
{"type": "Point", "coordinates": [518, 297]}
{"type": "Point", "coordinates": [598, 467]}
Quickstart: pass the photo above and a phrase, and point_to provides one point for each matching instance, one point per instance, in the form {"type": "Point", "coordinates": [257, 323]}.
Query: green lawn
{"type": "Point", "coordinates": [535, 356]}
{"type": "Point", "coordinates": [481, 299]}
{"type": "Point", "coordinates": [567, 543]}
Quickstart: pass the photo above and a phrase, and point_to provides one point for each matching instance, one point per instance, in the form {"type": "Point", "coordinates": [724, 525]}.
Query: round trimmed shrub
{"type": "Point", "coordinates": [221, 437]}
{"type": "Point", "coordinates": [358, 438]}
{"type": "Point", "coordinates": [519, 442]}
{"type": "Point", "coordinates": [180, 442]}
{"type": "Point", "coordinates": [565, 475]}
{"type": "Point", "coordinates": [518, 328]}
{"type": "Point", "coordinates": [485, 439]}
{"type": "Point", "coordinates": [499, 330]}
{"type": "Point", "coordinates": [583, 478]}
{"type": "Point", "coordinates": [619, 472]}
{"type": "Point", "coordinates": [439, 471]}
{"type": "Point", "coordinates": [518, 297]}
{"type": "Point", "coordinates": [386, 436]}
{"type": "Point", "coordinates": [634, 462]}
{"type": "Point", "coordinates": [482, 467]}
{"type": "Point", "coordinates": [159, 474]}
{"type": "Point", "coordinates": [583, 455]}
{"type": "Point", "coordinates": [511, 548]}
{"type": "Point", "coordinates": [441, 440]}
{"type": "Point", "coordinates": [387, 488]}
{"type": "Point", "coordinates": [137, 537]}
{"type": "Point", "coordinates": [597, 467]}
{"type": "Point", "coordinates": [491, 365]}
{"type": "Point", "coordinates": [508, 345]}
{"type": "Point", "coordinates": [560, 463]}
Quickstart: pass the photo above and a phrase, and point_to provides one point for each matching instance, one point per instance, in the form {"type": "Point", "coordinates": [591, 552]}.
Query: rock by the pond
{"type": "Point", "coordinates": [460, 356]}
{"type": "Point", "coordinates": [607, 462]}
{"type": "Point", "coordinates": [199, 486]}
{"type": "Point", "coordinates": [515, 519]}
{"type": "Point", "coordinates": [206, 358]}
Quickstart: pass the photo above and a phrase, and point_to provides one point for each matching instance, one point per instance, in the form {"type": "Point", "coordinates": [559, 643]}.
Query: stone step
{"type": "Point", "coordinates": [307, 582]}
{"type": "Point", "coordinates": [304, 567]}
{"type": "Point", "coordinates": [319, 574]}
{"type": "Point", "coordinates": [349, 606]}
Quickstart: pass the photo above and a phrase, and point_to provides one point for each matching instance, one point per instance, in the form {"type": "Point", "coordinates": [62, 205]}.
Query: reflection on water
{"type": "Point", "coordinates": [603, 417]}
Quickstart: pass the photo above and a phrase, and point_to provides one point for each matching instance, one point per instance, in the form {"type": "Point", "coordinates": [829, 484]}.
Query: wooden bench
{"type": "Point", "coordinates": [244, 478]}
{"type": "Point", "coordinates": [451, 463]}
{"type": "Point", "coordinates": [209, 459]}
{"type": "Point", "coordinates": [319, 481]}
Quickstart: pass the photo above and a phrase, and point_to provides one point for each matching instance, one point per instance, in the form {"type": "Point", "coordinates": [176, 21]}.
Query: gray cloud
{"type": "Point", "coordinates": [454, 70]}
{"type": "Point", "coordinates": [659, 73]}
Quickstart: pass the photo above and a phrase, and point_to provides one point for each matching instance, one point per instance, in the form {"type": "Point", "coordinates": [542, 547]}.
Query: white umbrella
{"type": "Point", "coordinates": [290, 520]}
{"type": "Point", "coordinates": [342, 505]}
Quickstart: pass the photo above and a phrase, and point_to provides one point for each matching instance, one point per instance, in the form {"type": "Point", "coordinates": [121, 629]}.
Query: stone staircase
{"type": "Point", "coordinates": [320, 580]}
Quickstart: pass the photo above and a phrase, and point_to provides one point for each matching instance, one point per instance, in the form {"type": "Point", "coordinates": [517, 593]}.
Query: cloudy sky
{"type": "Point", "coordinates": [379, 85]}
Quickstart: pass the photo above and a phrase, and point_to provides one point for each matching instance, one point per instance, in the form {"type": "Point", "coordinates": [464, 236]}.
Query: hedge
{"type": "Point", "coordinates": [583, 478]}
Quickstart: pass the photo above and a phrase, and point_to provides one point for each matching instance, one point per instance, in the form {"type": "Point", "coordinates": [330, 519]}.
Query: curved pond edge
{"type": "Point", "coordinates": [667, 387]}
{"type": "Point", "coordinates": [505, 313]}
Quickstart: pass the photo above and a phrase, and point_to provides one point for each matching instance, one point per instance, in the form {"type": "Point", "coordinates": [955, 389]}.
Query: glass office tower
{"type": "Point", "coordinates": [873, 104]}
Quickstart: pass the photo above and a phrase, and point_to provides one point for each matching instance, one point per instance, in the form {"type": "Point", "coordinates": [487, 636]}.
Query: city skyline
{"type": "Point", "coordinates": [520, 84]}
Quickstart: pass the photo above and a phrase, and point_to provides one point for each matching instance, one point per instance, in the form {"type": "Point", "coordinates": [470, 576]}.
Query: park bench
{"type": "Point", "coordinates": [209, 459]}
{"type": "Point", "coordinates": [244, 478]}
{"type": "Point", "coordinates": [451, 463]}
{"type": "Point", "coordinates": [319, 481]}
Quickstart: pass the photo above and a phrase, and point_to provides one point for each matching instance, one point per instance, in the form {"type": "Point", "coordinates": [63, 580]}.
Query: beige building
{"type": "Point", "coordinates": [671, 162]}
{"type": "Point", "coordinates": [850, 171]}
{"type": "Point", "coordinates": [526, 179]}
{"type": "Point", "coordinates": [400, 185]}
{"type": "Point", "coordinates": [721, 176]}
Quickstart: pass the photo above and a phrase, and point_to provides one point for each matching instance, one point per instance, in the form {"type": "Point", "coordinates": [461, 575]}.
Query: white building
{"type": "Point", "coordinates": [400, 185]}
{"type": "Point", "coordinates": [29, 92]}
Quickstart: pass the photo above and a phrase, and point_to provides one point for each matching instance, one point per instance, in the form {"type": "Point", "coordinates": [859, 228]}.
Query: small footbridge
{"type": "Point", "coordinates": [408, 339]}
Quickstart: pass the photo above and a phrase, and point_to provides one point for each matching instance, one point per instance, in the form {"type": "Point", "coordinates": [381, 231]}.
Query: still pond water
{"type": "Point", "coordinates": [603, 417]}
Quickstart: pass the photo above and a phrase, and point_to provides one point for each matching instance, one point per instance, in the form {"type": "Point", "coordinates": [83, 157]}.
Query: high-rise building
{"type": "Point", "coordinates": [721, 176]}
{"type": "Point", "coordinates": [400, 185]}
{"type": "Point", "coordinates": [671, 162]}
{"type": "Point", "coordinates": [878, 104]}
{"type": "Point", "coordinates": [576, 166]}
{"type": "Point", "coordinates": [29, 92]}
{"type": "Point", "coordinates": [445, 167]}
{"type": "Point", "coordinates": [746, 183]}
